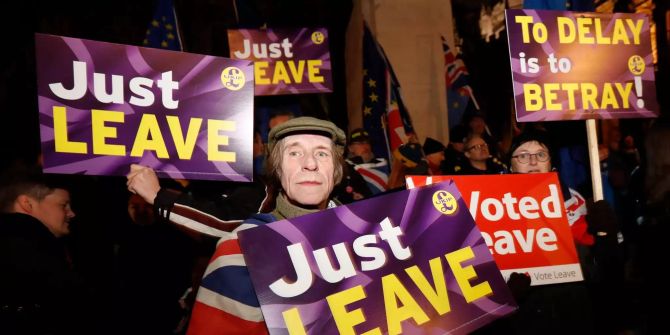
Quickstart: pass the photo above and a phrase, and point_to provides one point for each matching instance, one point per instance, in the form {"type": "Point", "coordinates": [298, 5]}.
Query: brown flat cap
{"type": "Point", "coordinates": [307, 125]}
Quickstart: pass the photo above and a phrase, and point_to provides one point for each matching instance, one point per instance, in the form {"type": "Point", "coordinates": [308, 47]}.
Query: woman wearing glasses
{"type": "Point", "coordinates": [477, 153]}
{"type": "Point", "coordinates": [573, 308]}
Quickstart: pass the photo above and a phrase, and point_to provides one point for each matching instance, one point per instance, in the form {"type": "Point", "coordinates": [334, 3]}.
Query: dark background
{"type": "Point", "coordinates": [203, 25]}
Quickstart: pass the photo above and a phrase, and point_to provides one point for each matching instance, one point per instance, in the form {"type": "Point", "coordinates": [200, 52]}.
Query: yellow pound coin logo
{"type": "Point", "coordinates": [232, 78]}
{"type": "Point", "coordinates": [317, 37]}
{"type": "Point", "coordinates": [445, 202]}
{"type": "Point", "coordinates": [636, 65]}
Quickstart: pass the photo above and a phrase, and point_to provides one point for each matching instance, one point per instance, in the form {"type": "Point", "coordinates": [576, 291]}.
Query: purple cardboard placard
{"type": "Point", "coordinates": [427, 230]}
{"type": "Point", "coordinates": [574, 66]}
{"type": "Point", "coordinates": [103, 106]}
{"type": "Point", "coordinates": [286, 61]}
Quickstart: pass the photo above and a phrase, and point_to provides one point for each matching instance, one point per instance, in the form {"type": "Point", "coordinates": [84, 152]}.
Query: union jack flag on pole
{"type": "Point", "coordinates": [385, 117]}
{"type": "Point", "coordinates": [459, 92]}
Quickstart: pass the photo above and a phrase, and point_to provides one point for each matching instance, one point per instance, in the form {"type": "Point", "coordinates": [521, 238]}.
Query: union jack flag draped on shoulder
{"type": "Point", "coordinates": [459, 92]}
{"type": "Point", "coordinates": [226, 302]}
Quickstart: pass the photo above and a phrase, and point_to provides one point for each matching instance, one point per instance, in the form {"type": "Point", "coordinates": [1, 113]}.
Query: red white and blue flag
{"type": "Point", "coordinates": [459, 92]}
{"type": "Point", "coordinates": [226, 302]}
{"type": "Point", "coordinates": [385, 117]}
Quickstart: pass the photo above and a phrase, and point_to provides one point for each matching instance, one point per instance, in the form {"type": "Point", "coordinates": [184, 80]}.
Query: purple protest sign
{"type": "Point", "coordinates": [104, 106]}
{"type": "Point", "coordinates": [411, 262]}
{"type": "Point", "coordinates": [286, 61]}
{"type": "Point", "coordinates": [573, 66]}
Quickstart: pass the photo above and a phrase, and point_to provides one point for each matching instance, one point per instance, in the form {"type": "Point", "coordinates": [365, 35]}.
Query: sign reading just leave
{"type": "Point", "coordinates": [286, 61]}
{"type": "Point", "coordinates": [407, 262]}
{"type": "Point", "coordinates": [104, 106]}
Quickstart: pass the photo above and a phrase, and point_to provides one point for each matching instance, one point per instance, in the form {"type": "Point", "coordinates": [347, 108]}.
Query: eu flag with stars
{"type": "Point", "coordinates": [385, 117]}
{"type": "Point", "coordinates": [162, 32]}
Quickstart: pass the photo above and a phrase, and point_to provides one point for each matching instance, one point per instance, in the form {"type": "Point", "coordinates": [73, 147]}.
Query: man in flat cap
{"type": "Point", "coordinates": [305, 162]}
{"type": "Point", "coordinates": [374, 170]}
{"type": "Point", "coordinates": [434, 151]}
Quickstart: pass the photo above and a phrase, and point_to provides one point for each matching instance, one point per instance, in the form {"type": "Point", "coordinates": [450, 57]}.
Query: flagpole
{"type": "Point", "coordinates": [472, 96]}
{"type": "Point", "coordinates": [594, 159]}
{"type": "Point", "coordinates": [237, 17]}
{"type": "Point", "coordinates": [386, 139]}
{"type": "Point", "coordinates": [177, 27]}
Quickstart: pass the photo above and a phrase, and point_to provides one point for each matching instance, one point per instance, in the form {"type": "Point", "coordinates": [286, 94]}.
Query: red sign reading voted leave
{"type": "Point", "coordinates": [523, 221]}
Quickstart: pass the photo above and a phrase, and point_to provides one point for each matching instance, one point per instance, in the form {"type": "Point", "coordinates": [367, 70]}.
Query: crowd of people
{"type": "Point", "coordinates": [178, 266]}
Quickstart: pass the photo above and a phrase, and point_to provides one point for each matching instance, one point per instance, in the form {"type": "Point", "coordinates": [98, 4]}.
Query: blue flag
{"type": "Point", "coordinates": [163, 32]}
{"type": "Point", "coordinates": [385, 117]}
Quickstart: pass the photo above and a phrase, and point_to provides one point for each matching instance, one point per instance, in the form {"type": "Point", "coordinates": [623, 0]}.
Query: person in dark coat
{"type": "Point", "coordinates": [39, 292]}
{"type": "Point", "coordinates": [454, 159]}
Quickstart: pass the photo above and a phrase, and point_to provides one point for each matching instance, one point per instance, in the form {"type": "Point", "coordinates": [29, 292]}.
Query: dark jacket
{"type": "Point", "coordinates": [39, 292]}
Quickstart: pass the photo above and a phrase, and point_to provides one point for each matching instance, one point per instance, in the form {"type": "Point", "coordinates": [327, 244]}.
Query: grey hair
{"type": "Point", "coordinates": [275, 157]}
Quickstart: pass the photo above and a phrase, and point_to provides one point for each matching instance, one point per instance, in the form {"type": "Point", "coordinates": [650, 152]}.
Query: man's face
{"type": "Point", "coordinates": [435, 159]}
{"type": "Point", "coordinates": [307, 169]}
{"type": "Point", "coordinates": [527, 158]}
{"type": "Point", "coordinates": [477, 149]}
{"type": "Point", "coordinates": [477, 125]}
{"type": "Point", "coordinates": [54, 212]}
{"type": "Point", "coordinates": [259, 147]}
{"type": "Point", "coordinates": [359, 149]}
{"type": "Point", "coordinates": [458, 146]}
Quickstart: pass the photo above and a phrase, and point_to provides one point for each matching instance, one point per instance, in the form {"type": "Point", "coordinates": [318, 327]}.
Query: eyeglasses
{"type": "Point", "coordinates": [524, 157]}
{"type": "Point", "coordinates": [477, 147]}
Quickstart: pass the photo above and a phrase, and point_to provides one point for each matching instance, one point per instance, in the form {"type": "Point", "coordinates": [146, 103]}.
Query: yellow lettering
{"type": "Point", "coordinates": [636, 29]}
{"type": "Point", "coordinates": [61, 141]}
{"type": "Point", "coordinates": [589, 95]}
{"type": "Point", "coordinates": [101, 132]}
{"type": "Point", "coordinates": [293, 322]}
{"type": "Point", "coordinates": [570, 89]}
{"type": "Point", "coordinates": [619, 34]}
{"type": "Point", "coordinates": [183, 145]}
{"type": "Point", "coordinates": [540, 32]}
{"type": "Point", "coordinates": [463, 275]}
{"type": "Point", "coordinates": [259, 73]}
{"type": "Point", "coordinates": [525, 21]}
{"type": "Point", "coordinates": [346, 320]}
{"type": "Point", "coordinates": [608, 97]}
{"type": "Point", "coordinates": [214, 140]}
{"type": "Point", "coordinates": [583, 30]}
{"type": "Point", "coordinates": [149, 137]}
{"type": "Point", "coordinates": [280, 73]}
{"type": "Point", "coordinates": [566, 30]}
{"type": "Point", "coordinates": [550, 97]}
{"type": "Point", "coordinates": [437, 296]}
{"type": "Point", "coordinates": [313, 68]}
{"type": "Point", "coordinates": [624, 93]}
{"type": "Point", "coordinates": [395, 292]}
{"type": "Point", "coordinates": [532, 94]}
{"type": "Point", "coordinates": [297, 73]}
{"type": "Point", "coordinates": [600, 39]}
